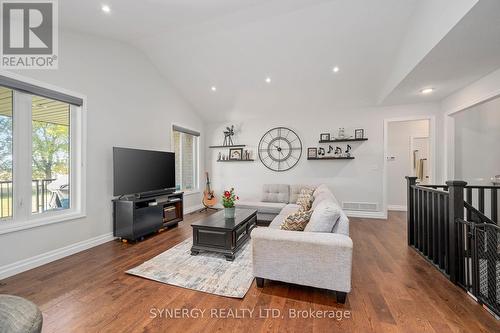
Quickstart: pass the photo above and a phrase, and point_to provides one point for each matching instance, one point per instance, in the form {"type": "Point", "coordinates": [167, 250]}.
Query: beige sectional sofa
{"type": "Point", "coordinates": [274, 198]}
{"type": "Point", "coordinates": [320, 256]}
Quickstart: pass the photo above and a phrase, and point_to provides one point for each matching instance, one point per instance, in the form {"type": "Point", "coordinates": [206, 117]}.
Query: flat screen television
{"type": "Point", "coordinates": [138, 171]}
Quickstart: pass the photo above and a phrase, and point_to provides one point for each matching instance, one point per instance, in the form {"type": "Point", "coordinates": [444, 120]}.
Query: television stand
{"type": "Point", "coordinates": [134, 218]}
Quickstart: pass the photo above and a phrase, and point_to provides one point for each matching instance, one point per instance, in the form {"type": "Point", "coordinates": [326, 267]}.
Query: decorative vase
{"type": "Point", "coordinates": [229, 212]}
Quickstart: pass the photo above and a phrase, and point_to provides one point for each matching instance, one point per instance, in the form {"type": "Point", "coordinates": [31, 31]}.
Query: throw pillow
{"type": "Point", "coordinates": [305, 199]}
{"type": "Point", "coordinates": [321, 197]}
{"type": "Point", "coordinates": [321, 189]}
{"type": "Point", "coordinates": [296, 221]}
{"type": "Point", "coordinates": [324, 217]}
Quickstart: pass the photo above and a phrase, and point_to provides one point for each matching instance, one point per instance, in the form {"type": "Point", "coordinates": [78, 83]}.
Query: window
{"type": "Point", "coordinates": [50, 154]}
{"type": "Point", "coordinates": [185, 146]}
{"type": "Point", "coordinates": [5, 153]}
{"type": "Point", "coordinates": [41, 155]}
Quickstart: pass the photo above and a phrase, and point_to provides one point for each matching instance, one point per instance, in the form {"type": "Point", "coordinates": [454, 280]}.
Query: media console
{"type": "Point", "coordinates": [134, 217]}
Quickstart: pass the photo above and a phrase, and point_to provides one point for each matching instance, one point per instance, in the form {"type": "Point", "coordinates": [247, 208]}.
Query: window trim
{"type": "Point", "coordinates": [22, 220]}
{"type": "Point", "coordinates": [196, 152]}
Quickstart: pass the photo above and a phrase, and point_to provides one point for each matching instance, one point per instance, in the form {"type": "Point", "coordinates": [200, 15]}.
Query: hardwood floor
{"type": "Point", "coordinates": [394, 290]}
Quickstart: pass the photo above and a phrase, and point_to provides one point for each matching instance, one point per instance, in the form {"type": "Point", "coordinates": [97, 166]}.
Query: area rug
{"type": "Point", "coordinates": [208, 272]}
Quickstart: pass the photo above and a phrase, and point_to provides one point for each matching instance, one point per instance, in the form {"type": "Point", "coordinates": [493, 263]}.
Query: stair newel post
{"type": "Point", "coordinates": [410, 181]}
{"type": "Point", "coordinates": [456, 211]}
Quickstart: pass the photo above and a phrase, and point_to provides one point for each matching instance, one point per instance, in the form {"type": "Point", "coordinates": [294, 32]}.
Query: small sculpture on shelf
{"type": "Point", "coordinates": [330, 149]}
{"type": "Point", "coordinates": [341, 134]}
{"type": "Point", "coordinates": [247, 155]}
{"type": "Point", "coordinates": [228, 136]}
{"type": "Point", "coordinates": [219, 158]}
{"type": "Point", "coordinates": [321, 151]}
{"type": "Point", "coordinates": [338, 152]}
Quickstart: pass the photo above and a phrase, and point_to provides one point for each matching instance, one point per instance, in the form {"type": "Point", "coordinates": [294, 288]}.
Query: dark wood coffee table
{"type": "Point", "coordinates": [218, 234]}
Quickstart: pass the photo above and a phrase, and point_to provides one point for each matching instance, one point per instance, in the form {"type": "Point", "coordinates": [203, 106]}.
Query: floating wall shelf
{"type": "Point", "coordinates": [330, 158]}
{"type": "Point", "coordinates": [233, 146]}
{"type": "Point", "coordinates": [342, 140]}
{"type": "Point", "coordinates": [235, 160]}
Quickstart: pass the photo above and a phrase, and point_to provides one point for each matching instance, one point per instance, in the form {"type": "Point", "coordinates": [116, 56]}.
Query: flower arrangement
{"type": "Point", "coordinates": [229, 198]}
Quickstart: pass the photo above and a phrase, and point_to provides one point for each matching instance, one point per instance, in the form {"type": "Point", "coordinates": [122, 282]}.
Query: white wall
{"type": "Point", "coordinates": [477, 138]}
{"type": "Point", "coordinates": [398, 144]}
{"type": "Point", "coordinates": [130, 105]}
{"type": "Point", "coordinates": [359, 180]}
{"type": "Point", "coordinates": [484, 89]}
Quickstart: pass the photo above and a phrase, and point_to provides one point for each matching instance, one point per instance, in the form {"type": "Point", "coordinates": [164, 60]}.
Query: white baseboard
{"type": "Point", "coordinates": [47, 257]}
{"type": "Point", "coordinates": [193, 209]}
{"type": "Point", "coordinates": [367, 215]}
{"type": "Point", "coordinates": [398, 208]}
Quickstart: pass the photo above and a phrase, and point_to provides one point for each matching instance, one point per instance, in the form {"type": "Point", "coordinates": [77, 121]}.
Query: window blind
{"type": "Point", "coordinates": [185, 130]}
{"type": "Point", "coordinates": [40, 91]}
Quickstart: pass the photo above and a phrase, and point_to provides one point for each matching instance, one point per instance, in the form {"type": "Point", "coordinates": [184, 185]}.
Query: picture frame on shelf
{"type": "Point", "coordinates": [312, 152]}
{"type": "Point", "coordinates": [324, 137]}
{"type": "Point", "coordinates": [359, 133]}
{"type": "Point", "coordinates": [235, 154]}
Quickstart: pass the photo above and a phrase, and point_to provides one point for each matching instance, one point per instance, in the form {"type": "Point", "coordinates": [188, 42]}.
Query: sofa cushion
{"type": "Point", "coordinates": [262, 207]}
{"type": "Point", "coordinates": [296, 221]}
{"type": "Point", "coordinates": [324, 217]}
{"type": "Point", "coordinates": [320, 192]}
{"type": "Point", "coordinates": [276, 193]}
{"type": "Point", "coordinates": [321, 189]}
{"type": "Point", "coordinates": [278, 221]}
{"type": "Point", "coordinates": [305, 199]}
{"type": "Point", "coordinates": [295, 191]}
{"type": "Point", "coordinates": [322, 197]}
{"type": "Point", "coordinates": [289, 209]}
{"type": "Point", "coordinates": [342, 226]}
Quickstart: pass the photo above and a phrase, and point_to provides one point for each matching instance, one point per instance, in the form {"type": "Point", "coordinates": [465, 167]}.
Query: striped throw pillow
{"type": "Point", "coordinates": [297, 221]}
{"type": "Point", "coordinates": [305, 199]}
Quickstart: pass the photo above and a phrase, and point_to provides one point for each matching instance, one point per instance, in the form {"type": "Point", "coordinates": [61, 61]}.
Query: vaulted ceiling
{"type": "Point", "coordinates": [386, 50]}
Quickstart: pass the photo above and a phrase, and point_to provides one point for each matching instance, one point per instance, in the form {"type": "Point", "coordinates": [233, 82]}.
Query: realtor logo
{"type": "Point", "coordinates": [29, 34]}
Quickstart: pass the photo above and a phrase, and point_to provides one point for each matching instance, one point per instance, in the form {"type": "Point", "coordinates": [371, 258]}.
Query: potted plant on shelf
{"type": "Point", "coordinates": [228, 200]}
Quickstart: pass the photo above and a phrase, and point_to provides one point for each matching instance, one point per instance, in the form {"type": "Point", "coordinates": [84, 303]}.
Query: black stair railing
{"type": "Point", "coordinates": [455, 227]}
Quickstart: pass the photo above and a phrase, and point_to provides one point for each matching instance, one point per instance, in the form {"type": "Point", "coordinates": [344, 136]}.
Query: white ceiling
{"type": "Point", "coordinates": [133, 19]}
{"type": "Point", "coordinates": [467, 53]}
{"type": "Point", "coordinates": [386, 49]}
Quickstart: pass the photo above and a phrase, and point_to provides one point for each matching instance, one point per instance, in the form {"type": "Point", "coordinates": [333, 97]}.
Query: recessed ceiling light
{"type": "Point", "coordinates": [106, 8]}
{"type": "Point", "coordinates": [335, 69]}
{"type": "Point", "coordinates": [213, 88]}
{"type": "Point", "coordinates": [427, 90]}
{"type": "Point", "coordinates": [268, 79]}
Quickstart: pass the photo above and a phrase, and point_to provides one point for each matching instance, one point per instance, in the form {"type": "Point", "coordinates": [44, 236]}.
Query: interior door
{"type": "Point", "coordinates": [420, 157]}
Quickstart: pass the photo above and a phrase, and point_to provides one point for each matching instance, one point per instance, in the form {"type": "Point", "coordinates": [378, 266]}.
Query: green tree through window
{"type": "Point", "coordinates": [50, 150]}
{"type": "Point", "coordinates": [5, 148]}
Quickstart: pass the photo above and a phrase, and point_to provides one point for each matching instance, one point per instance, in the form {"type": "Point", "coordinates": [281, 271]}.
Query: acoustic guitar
{"type": "Point", "coordinates": [209, 200]}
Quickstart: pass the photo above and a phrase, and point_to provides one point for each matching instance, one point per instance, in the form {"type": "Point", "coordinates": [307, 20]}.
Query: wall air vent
{"type": "Point", "coordinates": [360, 206]}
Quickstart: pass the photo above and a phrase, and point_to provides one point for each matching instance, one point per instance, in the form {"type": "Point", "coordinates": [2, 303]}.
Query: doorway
{"type": "Point", "coordinates": [408, 152]}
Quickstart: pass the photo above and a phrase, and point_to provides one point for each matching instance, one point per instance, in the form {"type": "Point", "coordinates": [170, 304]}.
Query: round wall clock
{"type": "Point", "coordinates": [280, 149]}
